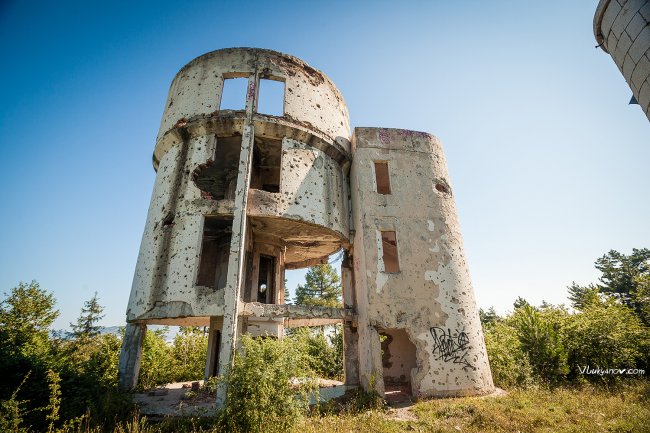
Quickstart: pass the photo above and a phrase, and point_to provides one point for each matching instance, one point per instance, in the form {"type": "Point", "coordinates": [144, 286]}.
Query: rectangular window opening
{"type": "Point", "coordinates": [389, 251]}
{"type": "Point", "coordinates": [267, 155]}
{"type": "Point", "coordinates": [215, 251]}
{"type": "Point", "coordinates": [266, 277]}
{"type": "Point", "coordinates": [233, 94]}
{"type": "Point", "coordinates": [382, 177]}
{"type": "Point", "coordinates": [270, 98]}
{"type": "Point", "coordinates": [220, 178]}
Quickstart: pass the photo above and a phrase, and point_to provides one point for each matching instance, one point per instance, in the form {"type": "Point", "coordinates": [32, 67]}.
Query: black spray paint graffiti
{"type": "Point", "coordinates": [450, 346]}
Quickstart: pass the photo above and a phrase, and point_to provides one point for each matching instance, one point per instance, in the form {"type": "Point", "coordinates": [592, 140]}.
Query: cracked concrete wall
{"type": "Point", "coordinates": [312, 187]}
{"type": "Point", "coordinates": [165, 275]}
{"type": "Point", "coordinates": [320, 188]}
{"type": "Point", "coordinates": [311, 99]}
{"type": "Point", "coordinates": [622, 30]}
{"type": "Point", "coordinates": [431, 297]}
{"type": "Point", "coordinates": [314, 131]}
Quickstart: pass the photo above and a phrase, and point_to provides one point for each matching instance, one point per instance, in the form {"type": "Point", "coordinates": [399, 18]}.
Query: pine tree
{"type": "Point", "coordinates": [91, 313]}
{"type": "Point", "coordinates": [322, 287]}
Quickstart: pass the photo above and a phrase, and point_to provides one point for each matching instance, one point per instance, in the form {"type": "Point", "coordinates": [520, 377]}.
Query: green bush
{"type": "Point", "coordinates": [88, 370]}
{"type": "Point", "coordinates": [509, 363]}
{"type": "Point", "coordinates": [268, 386]}
{"type": "Point", "coordinates": [606, 334]}
{"type": "Point", "coordinates": [156, 361]}
{"type": "Point", "coordinates": [324, 355]}
{"type": "Point", "coordinates": [180, 361]}
{"type": "Point", "coordinates": [188, 352]}
{"type": "Point", "coordinates": [538, 332]}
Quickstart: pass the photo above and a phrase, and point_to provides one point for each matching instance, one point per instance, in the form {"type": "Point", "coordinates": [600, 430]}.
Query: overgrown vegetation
{"type": "Point", "coordinates": [551, 345]}
{"type": "Point", "coordinates": [268, 386]}
{"type": "Point", "coordinates": [51, 382]}
{"type": "Point", "coordinates": [66, 383]}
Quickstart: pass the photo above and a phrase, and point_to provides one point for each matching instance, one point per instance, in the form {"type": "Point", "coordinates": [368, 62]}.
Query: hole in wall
{"type": "Point", "coordinates": [265, 172]}
{"type": "Point", "coordinates": [443, 187]}
{"type": "Point", "coordinates": [382, 177]}
{"type": "Point", "coordinates": [233, 95]}
{"type": "Point", "coordinates": [219, 178]}
{"type": "Point", "coordinates": [270, 98]}
{"type": "Point", "coordinates": [389, 251]}
{"type": "Point", "coordinates": [398, 358]}
{"type": "Point", "coordinates": [168, 221]}
{"type": "Point", "coordinates": [215, 251]}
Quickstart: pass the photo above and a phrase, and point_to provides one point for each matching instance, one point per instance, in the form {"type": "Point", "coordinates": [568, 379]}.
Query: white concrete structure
{"type": "Point", "coordinates": [621, 29]}
{"type": "Point", "coordinates": [241, 195]}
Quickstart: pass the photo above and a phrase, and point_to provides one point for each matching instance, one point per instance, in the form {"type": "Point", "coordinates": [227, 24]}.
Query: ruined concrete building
{"type": "Point", "coordinates": [621, 29]}
{"type": "Point", "coordinates": [242, 195]}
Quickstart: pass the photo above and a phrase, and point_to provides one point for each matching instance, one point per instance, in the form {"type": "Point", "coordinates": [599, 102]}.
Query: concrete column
{"type": "Point", "coordinates": [129, 366]}
{"type": "Point", "coordinates": [233, 290]}
{"type": "Point", "coordinates": [350, 336]}
{"type": "Point", "coordinates": [371, 373]}
{"type": "Point", "coordinates": [214, 337]}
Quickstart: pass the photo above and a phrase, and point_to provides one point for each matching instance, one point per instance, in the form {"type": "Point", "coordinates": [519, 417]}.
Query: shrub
{"type": "Point", "coordinates": [509, 363]}
{"type": "Point", "coordinates": [538, 332]}
{"type": "Point", "coordinates": [188, 352]}
{"type": "Point", "coordinates": [605, 334]}
{"type": "Point", "coordinates": [268, 386]}
{"type": "Point", "coordinates": [325, 358]}
{"type": "Point", "coordinates": [156, 362]}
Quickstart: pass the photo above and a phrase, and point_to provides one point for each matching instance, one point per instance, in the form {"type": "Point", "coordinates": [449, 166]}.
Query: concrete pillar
{"type": "Point", "coordinates": [129, 366]}
{"type": "Point", "coordinates": [233, 290]}
{"type": "Point", "coordinates": [350, 335]}
{"type": "Point", "coordinates": [214, 343]}
{"type": "Point", "coordinates": [371, 373]}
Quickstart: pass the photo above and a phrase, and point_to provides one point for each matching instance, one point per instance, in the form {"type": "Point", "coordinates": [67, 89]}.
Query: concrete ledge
{"type": "Point", "coordinates": [257, 309]}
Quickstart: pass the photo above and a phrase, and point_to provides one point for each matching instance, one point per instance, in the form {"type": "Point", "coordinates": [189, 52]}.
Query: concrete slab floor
{"type": "Point", "coordinates": [168, 400]}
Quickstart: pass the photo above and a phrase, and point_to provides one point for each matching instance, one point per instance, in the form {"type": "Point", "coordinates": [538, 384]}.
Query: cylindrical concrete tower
{"type": "Point", "coordinates": [413, 285]}
{"type": "Point", "coordinates": [621, 29]}
{"type": "Point", "coordinates": [241, 194]}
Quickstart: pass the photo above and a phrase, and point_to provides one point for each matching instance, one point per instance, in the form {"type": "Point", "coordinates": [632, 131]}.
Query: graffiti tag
{"type": "Point", "coordinates": [450, 346]}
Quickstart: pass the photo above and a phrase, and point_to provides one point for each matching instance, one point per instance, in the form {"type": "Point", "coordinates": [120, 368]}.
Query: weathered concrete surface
{"type": "Point", "coordinates": [241, 196]}
{"type": "Point", "coordinates": [621, 29]}
{"type": "Point", "coordinates": [431, 297]}
{"type": "Point", "coordinates": [128, 368]}
{"type": "Point", "coordinates": [307, 218]}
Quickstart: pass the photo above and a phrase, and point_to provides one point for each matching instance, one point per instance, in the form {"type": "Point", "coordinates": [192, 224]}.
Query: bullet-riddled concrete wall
{"type": "Point", "coordinates": [621, 29]}
{"type": "Point", "coordinates": [240, 196]}
{"type": "Point", "coordinates": [430, 297]}
{"type": "Point", "coordinates": [307, 218]}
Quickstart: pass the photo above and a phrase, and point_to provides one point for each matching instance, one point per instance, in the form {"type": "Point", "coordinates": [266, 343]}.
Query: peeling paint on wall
{"type": "Point", "coordinates": [258, 194]}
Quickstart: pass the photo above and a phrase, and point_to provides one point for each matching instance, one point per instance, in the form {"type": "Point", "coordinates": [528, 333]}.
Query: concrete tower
{"type": "Point", "coordinates": [242, 195]}
{"type": "Point", "coordinates": [621, 29]}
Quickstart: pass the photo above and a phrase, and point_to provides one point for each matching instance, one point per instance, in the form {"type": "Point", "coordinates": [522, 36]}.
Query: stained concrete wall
{"type": "Point", "coordinates": [311, 99]}
{"type": "Point", "coordinates": [622, 30]}
{"type": "Point", "coordinates": [431, 297]}
{"type": "Point", "coordinates": [308, 218]}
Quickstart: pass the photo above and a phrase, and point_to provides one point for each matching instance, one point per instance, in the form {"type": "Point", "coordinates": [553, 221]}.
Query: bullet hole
{"type": "Point", "coordinates": [168, 221]}
{"type": "Point", "coordinates": [443, 187]}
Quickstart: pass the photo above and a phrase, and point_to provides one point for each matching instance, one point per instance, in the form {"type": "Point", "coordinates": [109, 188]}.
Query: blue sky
{"type": "Point", "coordinates": [547, 160]}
